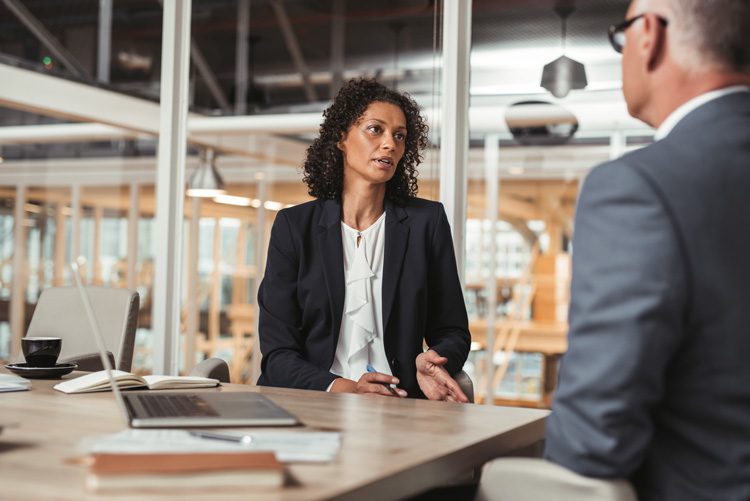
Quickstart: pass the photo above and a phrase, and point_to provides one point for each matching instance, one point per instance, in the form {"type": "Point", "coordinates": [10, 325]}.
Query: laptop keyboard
{"type": "Point", "coordinates": [174, 406]}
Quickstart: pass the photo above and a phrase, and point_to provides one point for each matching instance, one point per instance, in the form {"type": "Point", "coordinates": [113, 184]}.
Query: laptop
{"type": "Point", "coordinates": [160, 409]}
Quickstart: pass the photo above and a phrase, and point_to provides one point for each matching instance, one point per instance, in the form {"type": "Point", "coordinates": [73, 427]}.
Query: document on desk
{"type": "Point", "coordinates": [289, 446]}
{"type": "Point", "coordinates": [9, 382]}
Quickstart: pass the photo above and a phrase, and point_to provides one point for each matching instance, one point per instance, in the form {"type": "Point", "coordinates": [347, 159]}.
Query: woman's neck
{"type": "Point", "coordinates": [361, 208]}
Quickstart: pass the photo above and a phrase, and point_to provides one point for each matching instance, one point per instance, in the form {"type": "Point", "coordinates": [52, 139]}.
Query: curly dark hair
{"type": "Point", "coordinates": [324, 163]}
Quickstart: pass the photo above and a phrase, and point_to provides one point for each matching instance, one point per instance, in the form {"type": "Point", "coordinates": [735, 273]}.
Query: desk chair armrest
{"type": "Point", "coordinates": [464, 382]}
{"type": "Point", "coordinates": [526, 479]}
{"type": "Point", "coordinates": [214, 368]}
{"type": "Point", "coordinates": [89, 362]}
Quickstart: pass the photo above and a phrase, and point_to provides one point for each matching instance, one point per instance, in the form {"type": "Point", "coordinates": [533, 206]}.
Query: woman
{"type": "Point", "coordinates": [358, 279]}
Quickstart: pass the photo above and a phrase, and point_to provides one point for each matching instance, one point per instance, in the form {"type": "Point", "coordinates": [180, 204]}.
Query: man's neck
{"type": "Point", "coordinates": [674, 92]}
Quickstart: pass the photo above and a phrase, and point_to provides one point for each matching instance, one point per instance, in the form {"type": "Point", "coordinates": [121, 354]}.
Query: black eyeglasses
{"type": "Point", "coordinates": [617, 31]}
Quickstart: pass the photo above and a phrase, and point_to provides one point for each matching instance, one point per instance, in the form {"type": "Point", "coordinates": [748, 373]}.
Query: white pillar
{"type": "Point", "coordinates": [133, 220]}
{"type": "Point", "coordinates": [617, 144]}
{"type": "Point", "coordinates": [191, 272]}
{"type": "Point", "coordinates": [75, 222]}
{"type": "Point", "coordinates": [170, 186]}
{"type": "Point", "coordinates": [492, 194]}
{"type": "Point", "coordinates": [18, 284]}
{"type": "Point", "coordinates": [454, 122]}
{"type": "Point", "coordinates": [260, 267]}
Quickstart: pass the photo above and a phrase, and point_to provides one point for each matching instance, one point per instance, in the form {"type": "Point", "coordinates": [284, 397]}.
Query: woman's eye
{"type": "Point", "coordinates": [400, 136]}
{"type": "Point", "coordinates": [375, 129]}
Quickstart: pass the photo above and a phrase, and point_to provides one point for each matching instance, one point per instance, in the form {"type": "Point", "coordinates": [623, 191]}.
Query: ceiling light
{"type": "Point", "coordinates": [233, 200]}
{"type": "Point", "coordinates": [271, 205]}
{"type": "Point", "coordinates": [564, 74]}
{"type": "Point", "coordinates": [205, 181]}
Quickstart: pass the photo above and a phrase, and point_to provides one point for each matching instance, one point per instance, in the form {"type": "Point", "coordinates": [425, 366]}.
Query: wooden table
{"type": "Point", "coordinates": [391, 448]}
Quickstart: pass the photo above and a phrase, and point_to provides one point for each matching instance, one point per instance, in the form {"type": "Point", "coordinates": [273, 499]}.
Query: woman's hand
{"type": "Point", "coordinates": [434, 380]}
{"type": "Point", "coordinates": [370, 382]}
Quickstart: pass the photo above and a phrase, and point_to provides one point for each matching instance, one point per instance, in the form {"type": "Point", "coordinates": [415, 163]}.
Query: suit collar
{"type": "Point", "coordinates": [330, 214]}
{"type": "Point", "coordinates": [330, 247]}
{"type": "Point", "coordinates": [396, 239]}
{"type": "Point", "coordinates": [694, 104]}
{"type": "Point", "coordinates": [725, 103]}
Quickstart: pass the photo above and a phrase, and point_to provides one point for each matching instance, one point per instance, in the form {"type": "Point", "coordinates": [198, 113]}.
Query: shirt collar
{"type": "Point", "coordinates": [674, 118]}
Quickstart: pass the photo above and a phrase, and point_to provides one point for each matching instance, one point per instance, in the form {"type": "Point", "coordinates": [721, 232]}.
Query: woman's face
{"type": "Point", "coordinates": [374, 144]}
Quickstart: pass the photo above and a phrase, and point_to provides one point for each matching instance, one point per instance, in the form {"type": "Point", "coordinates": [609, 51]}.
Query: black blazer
{"type": "Point", "coordinates": [301, 298]}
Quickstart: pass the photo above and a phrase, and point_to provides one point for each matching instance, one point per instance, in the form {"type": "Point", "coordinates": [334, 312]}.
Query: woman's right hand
{"type": "Point", "coordinates": [371, 382]}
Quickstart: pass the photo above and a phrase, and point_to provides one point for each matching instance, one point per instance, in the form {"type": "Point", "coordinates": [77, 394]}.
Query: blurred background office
{"type": "Point", "coordinates": [80, 83]}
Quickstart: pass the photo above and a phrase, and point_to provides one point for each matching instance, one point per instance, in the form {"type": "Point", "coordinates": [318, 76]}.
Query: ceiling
{"type": "Point", "coordinates": [392, 40]}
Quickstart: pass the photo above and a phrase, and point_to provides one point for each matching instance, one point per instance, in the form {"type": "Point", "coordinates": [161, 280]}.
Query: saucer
{"type": "Point", "coordinates": [55, 372]}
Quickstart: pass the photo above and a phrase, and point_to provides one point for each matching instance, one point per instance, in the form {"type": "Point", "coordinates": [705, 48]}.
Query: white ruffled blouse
{"type": "Point", "coordinates": [361, 336]}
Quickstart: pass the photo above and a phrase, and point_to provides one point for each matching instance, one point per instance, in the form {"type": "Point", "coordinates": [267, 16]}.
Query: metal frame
{"type": "Point", "coordinates": [454, 122]}
{"type": "Point", "coordinates": [292, 44]}
{"type": "Point", "coordinates": [45, 37]}
{"type": "Point", "coordinates": [104, 55]}
{"type": "Point", "coordinates": [492, 187]}
{"type": "Point", "coordinates": [170, 186]}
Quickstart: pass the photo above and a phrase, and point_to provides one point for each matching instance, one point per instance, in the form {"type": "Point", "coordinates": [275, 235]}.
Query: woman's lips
{"type": "Point", "coordinates": [384, 162]}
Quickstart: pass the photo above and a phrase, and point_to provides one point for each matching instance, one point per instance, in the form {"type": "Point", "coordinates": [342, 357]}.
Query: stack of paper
{"type": "Point", "coordinates": [289, 446]}
{"type": "Point", "coordinates": [9, 382]}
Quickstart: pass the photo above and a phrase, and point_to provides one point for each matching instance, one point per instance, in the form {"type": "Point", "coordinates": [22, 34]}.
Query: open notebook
{"type": "Point", "coordinates": [98, 381]}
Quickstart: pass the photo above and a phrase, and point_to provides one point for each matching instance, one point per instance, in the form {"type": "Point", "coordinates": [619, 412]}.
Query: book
{"type": "Point", "coordinates": [9, 382]}
{"type": "Point", "coordinates": [182, 471]}
{"type": "Point", "coordinates": [98, 381]}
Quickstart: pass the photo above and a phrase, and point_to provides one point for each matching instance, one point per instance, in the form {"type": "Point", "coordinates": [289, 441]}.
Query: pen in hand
{"type": "Point", "coordinates": [391, 387]}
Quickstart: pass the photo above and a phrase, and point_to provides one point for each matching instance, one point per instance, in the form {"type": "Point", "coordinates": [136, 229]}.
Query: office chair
{"type": "Point", "coordinates": [527, 479]}
{"type": "Point", "coordinates": [214, 368]}
{"type": "Point", "coordinates": [59, 313]}
{"type": "Point", "coordinates": [464, 382]}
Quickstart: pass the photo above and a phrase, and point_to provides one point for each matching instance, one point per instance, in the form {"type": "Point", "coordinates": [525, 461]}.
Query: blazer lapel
{"type": "Point", "coordinates": [396, 238]}
{"type": "Point", "coordinates": [330, 249]}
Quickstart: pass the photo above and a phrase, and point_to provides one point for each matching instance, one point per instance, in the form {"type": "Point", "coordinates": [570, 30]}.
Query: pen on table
{"type": "Point", "coordinates": [391, 387]}
{"type": "Point", "coordinates": [242, 439]}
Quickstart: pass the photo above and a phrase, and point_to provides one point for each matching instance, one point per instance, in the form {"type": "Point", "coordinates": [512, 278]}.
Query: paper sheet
{"type": "Point", "coordinates": [289, 446]}
{"type": "Point", "coordinates": [9, 382]}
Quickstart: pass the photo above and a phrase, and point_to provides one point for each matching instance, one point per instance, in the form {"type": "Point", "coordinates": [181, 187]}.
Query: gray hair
{"type": "Point", "coordinates": [711, 33]}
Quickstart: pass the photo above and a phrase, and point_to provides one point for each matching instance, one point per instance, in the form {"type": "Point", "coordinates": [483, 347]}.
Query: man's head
{"type": "Point", "coordinates": [682, 48]}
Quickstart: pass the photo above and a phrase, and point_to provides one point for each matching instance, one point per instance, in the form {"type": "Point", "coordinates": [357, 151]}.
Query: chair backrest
{"type": "Point", "coordinates": [59, 312]}
{"type": "Point", "coordinates": [213, 367]}
{"type": "Point", "coordinates": [530, 479]}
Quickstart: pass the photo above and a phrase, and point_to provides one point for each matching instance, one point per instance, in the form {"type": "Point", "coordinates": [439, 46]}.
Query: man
{"type": "Point", "coordinates": [655, 386]}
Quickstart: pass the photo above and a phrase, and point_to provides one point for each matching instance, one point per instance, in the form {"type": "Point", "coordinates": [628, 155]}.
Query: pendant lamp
{"type": "Point", "coordinates": [205, 182]}
{"type": "Point", "coordinates": [564, 73]}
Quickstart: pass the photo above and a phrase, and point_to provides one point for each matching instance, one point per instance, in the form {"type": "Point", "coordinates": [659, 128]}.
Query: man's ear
{"type": "Point", "coordinates": [654, 40]}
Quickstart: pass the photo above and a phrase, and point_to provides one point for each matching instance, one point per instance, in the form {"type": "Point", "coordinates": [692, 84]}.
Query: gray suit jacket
{"type": "Point", "coordinates": [655, 385]}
